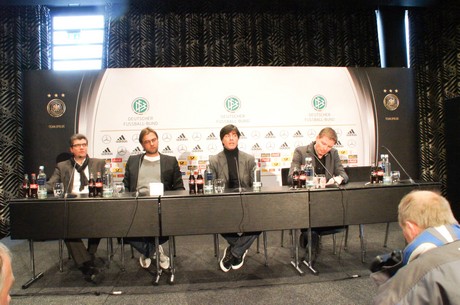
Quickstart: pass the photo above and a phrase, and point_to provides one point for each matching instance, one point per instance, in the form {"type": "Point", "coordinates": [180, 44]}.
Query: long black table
{"type": "Point", "coordinates": [178, 213]}
{"type": "Point", "coordinates": [82, 217]}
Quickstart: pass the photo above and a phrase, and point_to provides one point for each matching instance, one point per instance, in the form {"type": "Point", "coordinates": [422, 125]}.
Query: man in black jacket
{"type": "Point", "coordinates": [140, 171]}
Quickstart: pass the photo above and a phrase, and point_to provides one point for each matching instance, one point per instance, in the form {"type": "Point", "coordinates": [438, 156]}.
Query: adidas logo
{"type": "Point", "coordinates": [242, 135]}
{"type": "Point", "coordinates": [284, 146]}
{"type": "Point", "coordinates": [351, 133]}
{"type": "Point", "coordinates": [167, 150]}
{"type": "Point", "coordinates": [212, 136]}
{"type": "Point", "coordinates": [136, 151]}
{"type": "Point", "coordinates": [121, 139]}
{"type": "Point", "coordinates": [270, 135]}
{"type": "Point", "coordinates": [197, 149]}
{"type": "Point", "coordinates": [106, 152]}
{"type": "Point", "coordinates": [256, 147]}
{"type": "Point", "coordinates": [298, 134]}
{"type": "Point", "coordinates": [181, 137]}
{"type": "Point", "coordinates": [338, 144]}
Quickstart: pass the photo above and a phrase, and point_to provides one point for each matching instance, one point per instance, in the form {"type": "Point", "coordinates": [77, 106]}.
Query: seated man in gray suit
{"type": "Point", "coordinates": [74, 174]}
{"type": "Point", "coordinates": [326, 161]}
{"type": "Point", "coordinates": [234, 167]}
{"type": "Point", "coordinates": [140, 171]}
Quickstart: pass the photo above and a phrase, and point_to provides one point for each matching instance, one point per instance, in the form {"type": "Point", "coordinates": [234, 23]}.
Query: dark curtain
{"type": "Point", "coordinates": [24, 45]}
{"type": "Point", "coordinates": [169, 33]}
{"type": "Point", "coordinates": [435, 57]}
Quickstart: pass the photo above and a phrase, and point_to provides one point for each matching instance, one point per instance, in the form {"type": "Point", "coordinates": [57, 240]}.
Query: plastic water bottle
{"type": "Point", "coordinates": [41, 181]}
{"type": "Point", "coordinates": [107, 181]}
{"type": "Point", "coordinates": [386, 169]}
{"type": "Point", "coordinates": [309, 172]}
{"type": "Point", "coordinates": [256, 180]}
{"type": "Point", "coordinates": [208, 179]}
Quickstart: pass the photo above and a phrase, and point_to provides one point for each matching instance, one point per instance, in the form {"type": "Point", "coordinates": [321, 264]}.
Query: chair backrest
{"type": "Point", "coordinates": [284, 176]}
{"type": "Point", "coordinates": [358, 173]}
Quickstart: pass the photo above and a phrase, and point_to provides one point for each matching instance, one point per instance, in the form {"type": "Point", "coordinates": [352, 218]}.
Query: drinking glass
{"type": "Point", "coordinates": [320, 182]}
{"type": "Point", "coordinates": [119, 188]}
{"type": "Point", "coordinates": [58, 189]}
{"type": "Point", "coordinates": [219, 186]}
{"type": "Point", "coordinates": [395, 176]}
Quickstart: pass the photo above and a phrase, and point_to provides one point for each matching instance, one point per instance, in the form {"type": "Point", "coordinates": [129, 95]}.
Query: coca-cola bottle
{"type": "Point", "coordinates": [99, 185]}
{"type": "Point", "coordinates": [91, 186]}
{"type": "Point", "coordinates": [295, 178]}
{"type": "Point", "coordinates": [199, 183]}
{"type": "Point", "coordinates": [26, 186]}
{"type": "Point", "coordinates": [302, 178]}
{"type": "Point", "coordinates": [33, 186]}
{"type": "Point", "coordinates": [380, 173]}
{"type": "Point", "coordinates": [191, 182]}
{"type": "Point", "coordinates": [374, 178]}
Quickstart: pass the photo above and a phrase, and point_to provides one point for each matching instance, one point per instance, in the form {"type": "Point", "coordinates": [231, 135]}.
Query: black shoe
{"type": "Point", "coordinates": [95, 276]}
{"type": "Point", "coordinates": [91, 273]}
{"type": "Point", "coordinates": [238, 261]}
{"type": "Point", "coordinates": [227, 260]}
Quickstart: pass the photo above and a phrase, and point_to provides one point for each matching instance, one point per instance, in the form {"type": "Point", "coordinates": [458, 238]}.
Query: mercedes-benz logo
{"type": "Point", "coordinates": [270, 146]}
{"type": "Point", "coordinates": [106, 139]}
{"type": "Point", "coordinates": [284, 134]}
{"type": "Point", "coordinates": [182, 148]}
{"type": "Point", "coordinates": [166, 137]}
{"type": "Point", "coordinates": [196, 136]}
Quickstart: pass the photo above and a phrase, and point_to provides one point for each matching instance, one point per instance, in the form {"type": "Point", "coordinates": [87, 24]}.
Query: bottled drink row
{"type": "Point", "coordinates": [99, 186]}
{"type": "Point", "coordinates": [382, 172]}
{"type": "Point", "coordinates": [206, 184]}
{"type": "Point", "coordinates": [35, 187]}
{"type": "Point", "coordinates": [305, 176]}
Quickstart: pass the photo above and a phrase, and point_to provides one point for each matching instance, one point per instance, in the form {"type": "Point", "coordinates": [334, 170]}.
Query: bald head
{"type": "Point", "coordinates": [422, 210]}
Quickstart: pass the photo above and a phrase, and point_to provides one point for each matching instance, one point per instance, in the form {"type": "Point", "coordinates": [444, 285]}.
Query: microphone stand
{"type": "Point", "coordinates": [309, 263]}
{"type": "Point", "coordinates": [404, 170]}
{"type": "Point", "coordinates": [238, 174]}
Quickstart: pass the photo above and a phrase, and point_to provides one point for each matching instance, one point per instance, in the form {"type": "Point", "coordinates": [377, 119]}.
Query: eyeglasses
{"type": "Point", "coordinates": [80, 145]}
{"type": "Point", "coordinates": [152, 141]}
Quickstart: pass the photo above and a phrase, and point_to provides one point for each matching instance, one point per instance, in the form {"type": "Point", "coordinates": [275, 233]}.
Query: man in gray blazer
{"type": "Point", "coordinates": [74, 174]}
{"type": "Point", "coordinates": [140, 171]}
{"type": "Point", "coordinates": [326, 161]}
{"type": "Point", "coordinates": [234, 167]}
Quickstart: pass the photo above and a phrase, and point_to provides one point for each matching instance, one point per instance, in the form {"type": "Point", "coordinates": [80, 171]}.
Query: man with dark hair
{"type": "Point", "coordinates": [429, 272]}
{"type": "Point", "coordinates": [326, 161]}
{"type": "Point", "coordinates": [140, 171]}
{"type": "Point", "coordinates": [74, 174]}
{"type": "Point", "coordinates": [234, 167]}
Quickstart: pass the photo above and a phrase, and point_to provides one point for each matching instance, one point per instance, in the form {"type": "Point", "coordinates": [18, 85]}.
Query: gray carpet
{"type": "Point", "coordinates": [198, 279]}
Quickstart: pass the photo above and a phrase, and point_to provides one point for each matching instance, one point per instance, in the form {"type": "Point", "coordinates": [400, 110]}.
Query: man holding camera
{"type": "Point", "coordinates": [429, 272]}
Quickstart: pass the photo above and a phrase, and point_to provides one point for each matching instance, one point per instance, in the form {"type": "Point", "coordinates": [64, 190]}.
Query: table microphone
{"type": "Point", "coordinates": [240, 189]}
{"type": "Point", "coordinates": [66, 194]}
{"type": "Point", "coordinates": [322, 165]}
{"type": "Point", "coordinates": [138, 171]}
{"type": "Point", "coordinates": [404, 170]}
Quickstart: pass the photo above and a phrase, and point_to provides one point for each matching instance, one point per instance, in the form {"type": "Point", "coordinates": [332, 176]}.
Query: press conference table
{"type": "Point", "coordinates": [178, 213]}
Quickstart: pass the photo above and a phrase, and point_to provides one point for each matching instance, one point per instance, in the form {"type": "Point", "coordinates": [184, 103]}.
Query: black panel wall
{"type": "Point", "coordinates": [452, 128]}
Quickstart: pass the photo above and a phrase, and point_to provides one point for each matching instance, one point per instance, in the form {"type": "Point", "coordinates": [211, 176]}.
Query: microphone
{"type": "Point", "coordinates": [138, 171]}
{"type": "Point", "coordinates": [403, 169]}
{"type": "Point", "coordinates": [240, 189]}
{"type": "Point", "coordinates": [336, 184]}
{"type": "Point", "coordinates": [66, 194]}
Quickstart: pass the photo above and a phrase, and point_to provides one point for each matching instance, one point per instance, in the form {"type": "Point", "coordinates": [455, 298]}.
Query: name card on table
{"type": "Point", "coordinates": [156, 189]}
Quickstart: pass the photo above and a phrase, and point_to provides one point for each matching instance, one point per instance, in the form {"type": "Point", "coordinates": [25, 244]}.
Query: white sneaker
{"type": "Point", "coordinates": [164, 259]}
{"type": "Point", "coordinates": [144, 262]}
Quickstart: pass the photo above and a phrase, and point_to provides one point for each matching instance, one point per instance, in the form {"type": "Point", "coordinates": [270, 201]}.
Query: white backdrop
{"type": "Point", "coordinates": [275, 108]}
